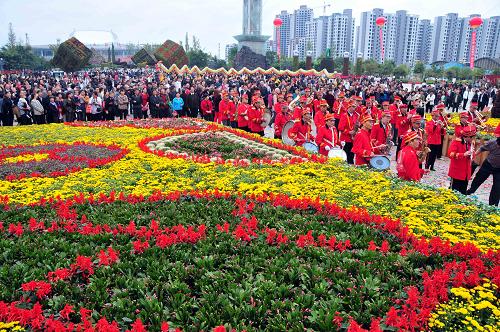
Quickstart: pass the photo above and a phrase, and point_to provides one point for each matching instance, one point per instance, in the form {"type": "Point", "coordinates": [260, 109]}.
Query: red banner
{"type": "Point", "coordinates": [382, 51]}
{"type": "Point", "coordinates": [472, 49]}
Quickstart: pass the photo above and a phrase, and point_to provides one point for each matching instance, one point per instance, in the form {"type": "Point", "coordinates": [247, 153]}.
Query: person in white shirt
{"type": "Point", "coordinates": [429, 102]}
{"type": "Point", "coordinates": [465, 97]}
{"type": "Point", "coordinates": [96, 106]}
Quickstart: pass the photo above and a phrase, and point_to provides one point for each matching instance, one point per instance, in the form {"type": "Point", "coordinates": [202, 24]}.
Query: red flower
{"type": "Point", "coordinates": [84, 265]}
{"type": "Point", "coordinates": [372, 246]}
{"type": "Point", "coordinates": [164, 327]}
{"type": "Point", "coordinates": [59, 274]}
{"type": "Point", "coordinates": [384, 247]}
{"type": "Point", "coordinates": [137, 326]}
{"type": "Point", "coordinates": [375, 325]}
{"type": "Point", "coordinates": [220, 328]}
{"type": "Point", "coordinates": [354, 327]}
{"type": "Point", "coordinates": [66, 311]}
{"type": "Point", "coordinates": [42, 288]}
{"type": "Point", "coordinates": [139, 246]}
{"type": "Point", "coordinates": [337, 320]}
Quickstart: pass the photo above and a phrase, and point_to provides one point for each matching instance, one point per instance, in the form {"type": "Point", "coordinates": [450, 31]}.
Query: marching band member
{"type": "Point", "coordinates": [434, 129]}
{"type": "Point", "coordinates": [358, 102]}
{"type": "Point", "coordinates": [382, 131]}
{"type": "Point", "coordinates": [403, 124]}
{"type": "Point", "coordinates": [339, 107]}
{"type": "Point", "coordinates": [242, 111]}
{"type": "Point", "coordinates": [464, 117]}
{"type": "Point", "coordinates": [372, 109]}
{"type": "Point", "coordinates": [317, 102]}
{"type": "Point", "coordinates": [408, 165]}
{"type": "Point", "coordinates": [472, 118]}
{"type": "Point", "coordinates": [347, 129]}
{"type": "Point", "coordinates": [256, 116]}
{"type": "Point", "coordinates": [396, 106]}
{"type": "Point", "coordinates": [362, 148]}
{"type": "Point", "coordinates": [282, 117]}
{"type": "Point", "coordinates": [327, 137]}
{"type": "Point", "coordinates": [297, 112]}
{"type": "Point", "coordinates": [301, 131]}
{"type": "Point", "coordinates": [277, 105]}
{"type": "Point", "coordinates": [461, 153]}
{"type": "Point", "coordinates": [319, 117]}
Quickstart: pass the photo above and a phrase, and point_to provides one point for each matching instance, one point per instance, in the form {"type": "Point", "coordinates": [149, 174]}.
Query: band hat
{"type": "Point", "coordinates": [323, 102]}
{"type": "Point", "coordinates": [416, 118]}
{"type": "Point", "coordinates": [410, 136]}
{"type": "Point", "coordinates": [469, 131]}
{"type": "Point", "coordinates": [303, 99]}
{"type": "Point", "coordinates": [305, 111]}
{"type": "Point", "coordinates": [464, 115]}
{"type": "Point", "coordinates": [365, 118]}
{"type": "Point", "coordinates": [329, 117]}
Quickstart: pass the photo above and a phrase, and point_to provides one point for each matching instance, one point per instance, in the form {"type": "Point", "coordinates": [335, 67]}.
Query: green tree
{"type": "Point", "coordinates": [21, 57]}
{"type": "Point", "coordinates": [198, 58]}
{"type": "Point", "coordinates": [401, 71]}
{"type": "Point", "coordinates": [113, 59]}
{"type": "Point", "coordinates": [271, 59]}
{"type": "Point", "coordinates": [496, 71]}
{"type": "Point", "coordinates": [419, 69]}
{"type": "Point", "coordinates": [387, 68]}
{"type": "Point", "coordinates": [358, 67]}
{"type": "Point", "coordinates": [11, 37]}
{"type": "Point", "coordinates": [186, 43]}
{"type": "Point", "coordinates": [371, 67]}
{"type": "Point", "coordinates": [478, 73]}
{"type": "Point", "coordinates": [196, 44]}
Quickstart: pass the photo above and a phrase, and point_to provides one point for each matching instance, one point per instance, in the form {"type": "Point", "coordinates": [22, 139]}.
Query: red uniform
{"type": "Point", "coordinates": [243, 115]}
{"type": "Point", "coordinates": [326, 137]}
{"type": "Point", "coordinates": [395, 112]}
{"type": "Point", "coordinates": [380, 133]}
{"type": "Point", "coordinates": [297, 113]}
{"type": "Point", "coordinates": [339, 107]}
{"type": "Point", "coordinates": [301, 133]}
{"type": "Point", "coordinates": [362, 148]}
{"type": "Point", "coordinates": [316, 103]}
{"type": "Point", "coordinates": [346, 125]}
{"type": "Point", "coordinates": [434, 132]}
{"type": "Point", "coordinates": [277, 107]}
{"type": "Point", "coordinates": [408, 165]}
{"type": "Point", "coordinates": [279, 122]}
{"type": "Point", "coordinates": [206, 107]}
{"type": "Point", "coordinates": [403, 124]}
{"type": "Point", "coordinates": [460, 165]}
{"type": "Point", "coordinates": [458, 130]}
{"type": "Point", "coordinates": [319, 119]}
{"type": "Point", "coordinates": [227, 110]}
{"type": "Point", "coordinates": [255, 118]}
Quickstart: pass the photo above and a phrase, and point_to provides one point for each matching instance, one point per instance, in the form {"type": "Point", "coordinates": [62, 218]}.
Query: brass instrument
{"type": "Point", "coordinates": [481, 118]}
{"type": "Point", "coordinates": [422, 154]}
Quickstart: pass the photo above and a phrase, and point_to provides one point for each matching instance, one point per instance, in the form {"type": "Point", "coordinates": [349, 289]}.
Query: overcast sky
{"type": "Point", "coordinates": [212, 21]}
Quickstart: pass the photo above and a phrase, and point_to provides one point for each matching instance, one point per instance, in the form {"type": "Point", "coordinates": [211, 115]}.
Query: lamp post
{"type": "Point", "coordinates": [345, 68]}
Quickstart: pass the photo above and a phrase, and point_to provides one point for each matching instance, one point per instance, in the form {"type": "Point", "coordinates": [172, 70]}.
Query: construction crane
{"type": "Point", "coordinates": [325, 6]}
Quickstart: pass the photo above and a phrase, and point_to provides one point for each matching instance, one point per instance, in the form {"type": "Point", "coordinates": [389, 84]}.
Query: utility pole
{"type": "Point", "coordinates": [27, 39]}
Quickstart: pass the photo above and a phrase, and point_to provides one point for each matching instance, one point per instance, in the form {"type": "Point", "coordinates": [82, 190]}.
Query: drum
{"type": "Point", "coordinates": [380, 163]}
{"type": "Point", "coordinates": [284, 134]}
{"type": "Point", "coordinates": [267, 117]}
{"type": "Point", "coordinates": [311, 147]}
{"type": "Point", "coordinates": [337, 153]}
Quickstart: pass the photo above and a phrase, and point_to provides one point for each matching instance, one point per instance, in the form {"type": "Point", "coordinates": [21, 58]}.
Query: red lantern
{"type": "Point", "coordinates": [380, 21]}
{"type": "Point", "coordinates": [474, 23]}
{"type": "Point", "coordinates": [277, 22]}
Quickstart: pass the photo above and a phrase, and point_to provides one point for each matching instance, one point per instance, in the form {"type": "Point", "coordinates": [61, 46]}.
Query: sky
{"type": "Point", "coordinates": [213, 22]}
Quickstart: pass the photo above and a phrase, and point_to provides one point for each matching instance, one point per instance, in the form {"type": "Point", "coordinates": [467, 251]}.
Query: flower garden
{"type": "Point", "coordinates": [183, 225]}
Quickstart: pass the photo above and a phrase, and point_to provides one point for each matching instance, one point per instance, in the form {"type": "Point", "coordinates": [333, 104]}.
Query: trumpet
{"type": "Point", "coordinates": [481, 118]}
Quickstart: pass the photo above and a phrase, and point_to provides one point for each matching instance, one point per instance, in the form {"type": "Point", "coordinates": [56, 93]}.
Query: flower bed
{"type": "Point", "coordinates": [200, 261]}
{"type": "Point", "coordinates": [443, 229]}
{"type": "Point", "coordinates": [52, 160]}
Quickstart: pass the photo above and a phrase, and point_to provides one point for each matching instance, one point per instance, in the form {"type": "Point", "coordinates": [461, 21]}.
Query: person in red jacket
{"type": "Point", "coordinates": [226, 109]}
{"type": "Point", "coordinates": [328, 136]}
{"type": "Point", "coordinates": [301, 132]}
{"type": "Point", "coordinates": [408, 165]}
{"type": "Point", "coordinates": [277, 105]}
{"type": "Point", "coordinates": [282, 117]}
{"type": "Point", "coordinates": [242, 111]}
{"type": "Point", "coordinates": [363, 148]}
{"type": "Point", "coordinates": [372, 109]}
{"type": "Point", "coordinates": [403, 124]}
{"type": "Point", "coordinates": [256, 116]}
{"type": "Point", "coordinates": [347, 124]}
{"type": "Point", "coordinates": [319, 117]}
{"type": "Point", "coordinates": [339, 108]}
{"type": "Point", "coordinates": [207, 108]}
{"type": "Point", "coordinates": [382, 131]}
{"type": "Point", "coordinates": [464, 117]}
{"type": "Point", "coordinates": [461, 154]}
{"type": "Point", "coordinates": [297, 112]}
{"type": "Point", "coordinates": [434, 129]}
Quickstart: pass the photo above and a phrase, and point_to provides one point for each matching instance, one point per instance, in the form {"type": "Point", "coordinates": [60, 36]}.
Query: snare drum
{"type": "Point", "coordinates": [311, 147]}
{"type": "Point", "coordinates": [337, 153]}
{"type": "Point", "coordinates": [380, 163]}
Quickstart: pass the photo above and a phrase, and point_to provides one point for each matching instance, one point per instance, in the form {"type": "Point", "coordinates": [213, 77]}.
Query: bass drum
{"type": "Point", "coordinates": [337, 153]}
{"type": "Point", "coordinates": [311, 147]}
{"type": "Point", "coordinates": [284, 134]}
{"type": "Point", "coordinates": [380, 163]}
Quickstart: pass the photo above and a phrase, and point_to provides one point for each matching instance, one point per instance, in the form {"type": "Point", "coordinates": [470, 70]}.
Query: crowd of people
{"type": "Point", "coordinates": [363, 117]}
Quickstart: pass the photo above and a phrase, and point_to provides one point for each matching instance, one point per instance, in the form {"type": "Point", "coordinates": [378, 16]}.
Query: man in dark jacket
{"type": "Point", "coordinates": [193, 101]}
{"type": "Point", "coordinates": [484, 99]}
{"type": "Point", "coordinates": [136, 102]}
{"type": "Point", "coordinates": [7, 110]}
{"type": "Point", "coordinates": [155, 104]}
